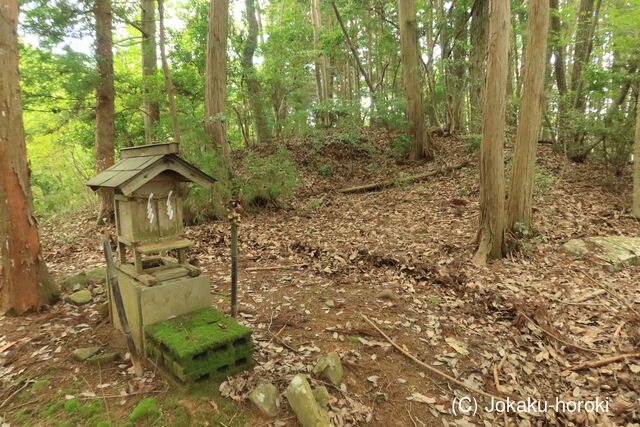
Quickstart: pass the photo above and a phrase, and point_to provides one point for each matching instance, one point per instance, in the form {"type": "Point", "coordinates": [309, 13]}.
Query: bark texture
{"type": "Point", "coordinates": [149, 69]}
{"type": "Point", "coordinates": [478, 61]}
{"type": "Point", "coordinates": [524, 158]}
{"type": "Point", "coordinates": [636, 163]}
{"type": "Point", "coordinates": [215, 97]}
{"type": "Point", "coordinates": [323, 76]}
{"type": "Point", "coordinates": [260, 123]}
{"type": "Point", "coordinates": [492, 216]}
{"type": "Point", "coordinates": [24, 281]}
{"type": "Point", "coordinates": [105, 102]}
{"type": "Point", "coordinates": [422, 145]}
{"type": "Point", "coordinates": [168, 81]}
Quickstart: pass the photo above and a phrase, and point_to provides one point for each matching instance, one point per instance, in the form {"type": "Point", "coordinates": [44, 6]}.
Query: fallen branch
{"type": "Point", "coordinates": [396, 182]}
{"type": "Point", "coordinates": [612, 293]}
{"type": "Point", "coordinates": [276, 267]}
{"type": "Point", "coordinates": [560, 340]}
{"type": "Point", "coordinates": [589, 296]}
{"type": "Point", "coordinates": [602, 362]}
{"type": "Point", "coordinates": [431, 368]}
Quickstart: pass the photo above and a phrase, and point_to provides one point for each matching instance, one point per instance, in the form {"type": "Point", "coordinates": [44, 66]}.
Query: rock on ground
{"type": "Point", "coordinates": [85, 352]}
{"type": "Point", "coordinates": [265, 397]}
{"type": "Point", "coordinates": [304, 404]}
{"type": "Point", "coordinates": [80, 297]}
{"type": "Point", "coordinates": [614, 252]}
{"type": "Point", "coordinates": [330, 367]}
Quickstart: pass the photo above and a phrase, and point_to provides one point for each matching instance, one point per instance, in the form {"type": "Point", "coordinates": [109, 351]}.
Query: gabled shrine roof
{"type": "Point", "coordinates": [140, 165]}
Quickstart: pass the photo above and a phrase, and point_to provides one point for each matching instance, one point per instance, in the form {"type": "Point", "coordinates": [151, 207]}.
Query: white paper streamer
{"type": "Point", "coordinates": [169, 206]}
{"type": "Point", "coordinates": [150, 214]}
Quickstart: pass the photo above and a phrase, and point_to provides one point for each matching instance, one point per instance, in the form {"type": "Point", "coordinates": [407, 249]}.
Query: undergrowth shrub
{"type": "Point", "coordinates": [473, 143]}
{"type": "Point", "coordinates": [268, 180]}
{"type": "Point", "coordinates": [543, 180]}
{"type": "Point", "coordinates": [389, 113]}
{"type": "Point", "coordinates": [207, 203]}
{"type": "Point", "coordinates": [400, 145]}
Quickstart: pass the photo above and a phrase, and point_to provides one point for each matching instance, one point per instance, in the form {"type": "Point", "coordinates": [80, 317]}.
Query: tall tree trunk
{"type": "Point", "coordinates": [455, 61]}
{"type": "Point", "coordinates": [524, 158]}
{"type": "Point", "coordinates": [322, 62]}
{"type": "Point", "coordinates": [559, 69]}
{"type": "Point", "coordinates": [263, 133]}
{"type": "Point", "coordinates": [215, 83]}
{"type": "Point", "coordinates": [105, 102]}
{"type": "Point", "coordinates": [492, 215]}
{"type": "Point", "coordinates": [636, 162]}
{"type": "Point", "coordinates": [422, 144]}
{"type": "Point", "coordinates": [354, 51]}
{"type": "Point", "coordinates": [168, 81]}
{"type": "Point", "coordinates": [477, 61]}
{"type": "Point", "coordinates": [585, 29]}
{"type": "Point", "coordinates": [149, 68]}
{"type": "Point", "coordinates": [24, 281]}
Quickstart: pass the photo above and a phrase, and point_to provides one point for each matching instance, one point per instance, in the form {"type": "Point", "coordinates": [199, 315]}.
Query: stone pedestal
{"type": "Point", "coordinates": [145, 305]}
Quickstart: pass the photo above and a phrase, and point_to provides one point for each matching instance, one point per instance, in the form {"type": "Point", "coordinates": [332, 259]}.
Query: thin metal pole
{"type": "Point", "coordinates": [234, 268]}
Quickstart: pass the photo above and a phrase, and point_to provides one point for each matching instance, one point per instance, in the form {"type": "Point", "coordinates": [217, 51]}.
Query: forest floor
{"type": "Point", "coordinates": [311, 269]}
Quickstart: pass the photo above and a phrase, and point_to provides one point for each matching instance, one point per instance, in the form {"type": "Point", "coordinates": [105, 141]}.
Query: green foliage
{"type": "Point", "coordinates": [389, 113]}
{"type": "Point", "coordinates": [473, 143]}
{"type": "Point", "coordinates": [400, 145]}
{"type": "Point", "coordinates": [146, 408]}
{"type": "Point", "coordinates": [325, 171]}
{"type": "Point", "coordinates": [268, 180]}
{"type": "Point", "coordinates": [543, 180]}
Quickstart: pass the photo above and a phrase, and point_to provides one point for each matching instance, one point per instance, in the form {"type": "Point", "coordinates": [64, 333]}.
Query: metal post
{"type": "Point", "coordinates": [234, 219]}
{"type": "Point", "coordinates": [234, 268]}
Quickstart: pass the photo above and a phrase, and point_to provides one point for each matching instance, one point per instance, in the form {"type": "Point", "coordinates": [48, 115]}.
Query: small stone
{"type": "Point", "coordinates": [321, 394]}
{"type": "Point", "coordinates": [265, 397]}
{"type": "Point", "coordinates": [103, 310]}
{"type": "Point", "coordinates": [103, 358]}
{"type": "Point", "coordinates": [304, 404]}
{"type": "Point", "coordinates": [85, 352]}
{"type": "Point", "coordinates": [330, 367]}
{"type": "Point", "coordinates": [80, 280]}
{"type": "Point", "coordinates": [386, 294]}
{"type": "Point", "coordinates": [98, 290]}
{"type": "Point", "coordinates": [80, 297]}
{"type": "Point", "coordinates": [330, 303]}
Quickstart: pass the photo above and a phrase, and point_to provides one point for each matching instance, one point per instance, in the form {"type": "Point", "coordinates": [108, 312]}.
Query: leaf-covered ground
{"type": "Point", "coordinates": [312, 269]}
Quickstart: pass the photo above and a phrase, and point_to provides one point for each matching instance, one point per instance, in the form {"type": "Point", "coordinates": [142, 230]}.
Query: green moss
{"type": "Point", "coordinates": [354, 341]}
{"type": "Point", "coordinates": [103, 424]}
{"type": "Point", "coordinates": [147, 407]}
{"type": "Point", "coordinates": [191, 334]}
{"type": "Point", "coordinates": [40, 384]}
{"type": "Point", "coordinates": [72, 405]}
{"type": "Point", "coordinates": [51, 409]}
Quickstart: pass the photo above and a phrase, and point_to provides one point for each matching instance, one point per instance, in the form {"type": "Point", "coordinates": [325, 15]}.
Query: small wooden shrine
{"type": "Point", "coordinates": [148, 184]}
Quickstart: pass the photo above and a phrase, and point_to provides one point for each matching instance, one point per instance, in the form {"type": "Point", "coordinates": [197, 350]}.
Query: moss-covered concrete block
{"type": "Point", "coordinates": [200, 345]}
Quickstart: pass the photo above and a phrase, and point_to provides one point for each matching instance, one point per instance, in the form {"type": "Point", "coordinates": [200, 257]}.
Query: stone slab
{"type": "Point", "coordinates": [613, 252]}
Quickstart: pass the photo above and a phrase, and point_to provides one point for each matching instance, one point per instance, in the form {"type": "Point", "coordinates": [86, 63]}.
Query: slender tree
{"type": "Point", "coordinates": [524, 158]}
{"type": "Point", "coordinates": [215, 84]}
{"type": "Point", "coordinates": [422, 145]}
{"type": "Point", "coordinates": [105, 102]}
{"type": "Point", "coordinates": [149, 68]}
{"type": "Point", "coordinates": [478, 61]}
{"type": "Point", "coordinates": [24, 281]}
{"type": "Point", "coordinates": [168, 81]}
{"type": "Point", "coordinates": [261, 125]}
{"type": "Point", "coordinates": [321, 61]}
{"type": "Point", "coordinates": [636, 162]}
{"type": "Point", "coordinates": [492, 214]}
